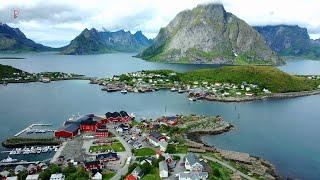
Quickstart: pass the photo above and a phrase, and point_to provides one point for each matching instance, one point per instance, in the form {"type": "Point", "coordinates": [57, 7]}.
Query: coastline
{"type": "Point", "coordinates": [264, 97]}
{"type": "Point", "coordinates": [245, 160]}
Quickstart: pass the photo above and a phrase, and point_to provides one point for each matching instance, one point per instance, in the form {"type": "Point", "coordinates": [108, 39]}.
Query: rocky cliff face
{"type": "Point", "coordinates": [209, 34]}
{"type": "Point", "coordinates": [13, 40]}
{"type": "Point", "coordinates": [288, 40]}
{"type": "Point", "coordinates": [94, 42]}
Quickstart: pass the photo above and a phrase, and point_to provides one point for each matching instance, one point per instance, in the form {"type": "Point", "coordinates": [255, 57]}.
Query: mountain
{"type": "Point", "coordinates": [316, 41]}
{"type": "Point", "coordinates": [95, 42]}
{"type": "Point", "coordinates": [209, 34]}
{"type": "Point", "coordinates": [289, 40]}
{"type": "Point", "coordinates": [13, 40]}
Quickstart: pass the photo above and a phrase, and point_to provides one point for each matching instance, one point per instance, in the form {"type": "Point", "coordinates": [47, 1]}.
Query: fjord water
{"type": "Point", "coordinates": [285, 132]}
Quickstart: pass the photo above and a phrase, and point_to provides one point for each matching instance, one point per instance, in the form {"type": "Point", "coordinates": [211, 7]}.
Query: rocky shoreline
{"type": "Point", "coordinates": [256, 165]}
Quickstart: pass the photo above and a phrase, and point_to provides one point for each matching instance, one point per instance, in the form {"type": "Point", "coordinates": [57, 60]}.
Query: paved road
{"type": "Point", "coordinates": [228, 166]}
{"type": "Point", "coordinates": [125, 144]}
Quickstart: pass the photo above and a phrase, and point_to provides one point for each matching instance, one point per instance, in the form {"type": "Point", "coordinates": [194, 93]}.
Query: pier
{"type": "Point", "coordinates": [29, 127]}
{"type": "Point", "coordinates": [23, 162]}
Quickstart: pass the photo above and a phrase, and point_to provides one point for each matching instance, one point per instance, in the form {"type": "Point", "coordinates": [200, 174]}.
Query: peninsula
{"type": "Point", "coordinates": [229, 84]}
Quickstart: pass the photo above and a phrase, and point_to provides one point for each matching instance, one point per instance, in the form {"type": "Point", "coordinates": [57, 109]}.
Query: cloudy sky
{"type": "Point", "coordinates": [56, 22]}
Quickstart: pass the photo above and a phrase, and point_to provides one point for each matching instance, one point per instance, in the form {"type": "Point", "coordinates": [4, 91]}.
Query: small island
{"type": "Point", "coordinates": [10, 74]}
{"type": "Point", "coordinates": [227, 84]}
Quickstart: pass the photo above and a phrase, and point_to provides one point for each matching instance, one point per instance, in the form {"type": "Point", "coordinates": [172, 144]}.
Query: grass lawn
{"type": "Point", "coordinates": [219, 172]}
{"type": "Point", "coordinates": [144, 152]}
{"type": "Point", "coordinates": [153, 175]}
{"type": "Point", "coordinates": [116, 146]}
{"type": "Point", "coordinates": [177, 149]}
{"type": "Point", "coordinates": [108, 175]}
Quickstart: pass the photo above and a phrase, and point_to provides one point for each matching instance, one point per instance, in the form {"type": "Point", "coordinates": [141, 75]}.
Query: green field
{"type": "Point", "coordinates": [218, 172]}
{"type": "Point", "coordinates": [264, 76]}
{"type": "Point", "coordinates": [108, 175]}
{"type": "Point", "coordinates": [176, 149]}
{"type": "Point", "coordinates": [116, 146]}
{"type": "Point", "coordinates": [152, 175]}
{"type": "Point", "coordinates": [144, 152]}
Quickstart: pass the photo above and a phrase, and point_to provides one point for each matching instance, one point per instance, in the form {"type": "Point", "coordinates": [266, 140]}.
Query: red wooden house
{"type": "Point", "coordinates": [88, 125]}
{"type": "Point", "coordinates": [102, 133]}
{"type": "Point", "coordinates": [171, 121]}
{"type": "Point", "coordinates": [68, 131]}
{"type": "Point", "coordinates": [93, 165]}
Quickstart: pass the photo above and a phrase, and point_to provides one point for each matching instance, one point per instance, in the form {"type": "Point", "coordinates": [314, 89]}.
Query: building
{"type": "Point", "coordinates": [121, 128]}
{"type": "Point", "coordinates": [57, 177]}
{"type": "Point", "coordinates": [111, 156]}
{"type": "Point", "coordinates": [157, 136]}
{"type": "Point", "coordinates": [33, 177]}
{"type": "Point", "coordinates": [137, 172]}
{"type": "Point", "coordinates": [169, 160]}
{"type": "Point", "coordinates": [97, 176]}
{"type": "Point", "coordinates": [68, 131]}
{"type": "Point", "coordinates": [88, 125]}
{"type": "Point", "coordinates": [163, 145]}
{"type": "Point", "coordinates": [32, 169]}
{"type": "Point", "coordinates": [92, 165]}
{"type": "Point", "coordinates": [193, 176]}
{"type": "Point", "coordinates": [171, 120]}
{"type": "Point", "coordinates": [130, 177]}
{"type": "Point", "coordinates": [19, 169]}
{"type": "Point", "coordinates": [102, 133]}
{"type": "Point", "coordinates": [121, 116]}
{"type": "Point", "coordinates": [163, 169]}
{"type": "Point", "coordinates": [192, 163]}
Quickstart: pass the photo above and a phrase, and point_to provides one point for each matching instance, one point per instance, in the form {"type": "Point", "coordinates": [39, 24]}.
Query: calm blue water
{"type": "Point", "coordinates": [284, 132]}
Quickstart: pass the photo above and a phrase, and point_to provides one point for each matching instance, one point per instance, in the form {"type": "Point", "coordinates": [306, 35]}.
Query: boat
{"type": "Point", "coordinates": [123, 91]}
{"type": "Point", "coordinates": [173, 89]}
{"type": "Point", "coordinates": [181, 90]}
{"type": "Point", "coordinates": [135, 90]}
{"type": "Point", "coordinates": [9, 160]}
{"type": "Point", "coordinates": [192, 99]}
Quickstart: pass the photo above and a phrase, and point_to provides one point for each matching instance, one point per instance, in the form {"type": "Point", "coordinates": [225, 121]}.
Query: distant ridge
{"type": "Point", "coordinates": [290, 40]}
{"type": "Point", "coordinates": [96, 42]}
{"type": "Point", "coordinates": [13, 40]}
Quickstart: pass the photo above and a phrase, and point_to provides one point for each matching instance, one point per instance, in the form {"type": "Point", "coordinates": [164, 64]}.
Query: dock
{"type": "Point", "coordinates": [23, 163]}
{"type": "Point", "coordinates": [29, 127]}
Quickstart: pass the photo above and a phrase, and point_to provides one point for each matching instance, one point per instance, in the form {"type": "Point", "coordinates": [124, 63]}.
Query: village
{"type": "Point", "coordinates": [150, 81]}
{"type": "Point", "coordinates": [117, 146]}
{"type": "Point", "coordinates": [45, 77]}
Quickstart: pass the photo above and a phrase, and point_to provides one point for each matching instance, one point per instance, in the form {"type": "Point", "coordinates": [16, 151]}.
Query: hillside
{"type": "Point", "coordinates": [13, 40]}
{"type": "Point", "coordinates": [96, 42]}
{"type": "Point", "coordinates": [265, 76]}
{"type": "Point", "coordinates": [9, 72]}
{"type": "Point", "coordinates": [209, 34]}
{"type": "Point", "coordinates": [289, 40]}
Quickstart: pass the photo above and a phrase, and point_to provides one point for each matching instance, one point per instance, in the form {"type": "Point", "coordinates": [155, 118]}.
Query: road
{"type": "Point", "coordinates": [125, 144]}
{"type": "Point", "coordinates": [228, 166]}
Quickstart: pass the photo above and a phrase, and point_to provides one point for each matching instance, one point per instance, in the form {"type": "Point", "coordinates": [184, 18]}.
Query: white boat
{"type": "Point", "coordinates": [123, 91]}
{"type": "Point", "coordinates": [192, 99]}
{"type": "Point", "coordinates": [173, 89]}
{"type": "Point", "coordinates": [8, 160]}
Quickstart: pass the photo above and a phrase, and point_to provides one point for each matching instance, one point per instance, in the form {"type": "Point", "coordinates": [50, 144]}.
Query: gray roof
{"type": "Point", "coordinates": [193, 175]}
{"type": "Point", "coordinates": [163, 166]}
{"type": "Point", "coordinates": [192, 159]}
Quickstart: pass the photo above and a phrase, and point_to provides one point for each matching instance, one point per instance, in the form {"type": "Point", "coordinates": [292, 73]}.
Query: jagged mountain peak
{"type": "Point", "coordinates": [209, 34]}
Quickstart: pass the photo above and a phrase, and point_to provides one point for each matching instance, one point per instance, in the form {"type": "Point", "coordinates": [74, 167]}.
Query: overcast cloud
{"type": "Point", "coordinates": [56, 22]}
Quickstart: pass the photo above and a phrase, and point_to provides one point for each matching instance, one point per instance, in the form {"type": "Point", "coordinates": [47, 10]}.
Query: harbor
{"type": "Point", "coordinates": [33, 129]}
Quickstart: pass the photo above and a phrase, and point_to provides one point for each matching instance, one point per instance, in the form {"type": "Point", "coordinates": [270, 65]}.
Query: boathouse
{"type": "Point", "coordinates": [88, 125]}
{"type": "Point", "coordinates": [102, 133]}
{"type": "Point", "coordinates": [68, 131]}
{"type": "Point", "coordinates": [121, 116]}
